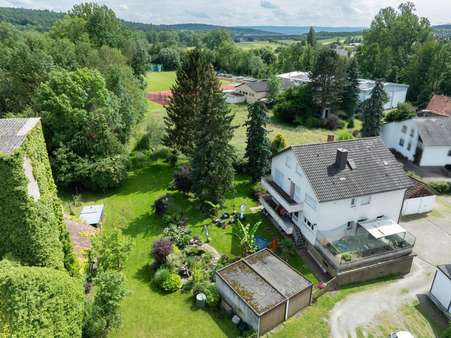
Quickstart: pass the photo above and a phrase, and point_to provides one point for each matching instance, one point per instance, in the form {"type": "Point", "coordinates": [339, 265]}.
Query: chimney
{"type": "Point", "coordinates": [330, 138]}
{"type": "Point", "coordinates": [341, 159]}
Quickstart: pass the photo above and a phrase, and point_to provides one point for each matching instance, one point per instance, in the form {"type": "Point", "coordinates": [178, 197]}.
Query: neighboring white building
{"type": "Point", "coordinates": [253, 91]}
{"type": "Point", "coordinates": [440, 292]}
{"type": "Point", "coordinates": [396, 92]}
{"type": "Point", "coordinates": [426, 141]}
{"type": "Point", "coordinates": [344, 199]}
{"type": "Point", "coordinates": [233, 97]}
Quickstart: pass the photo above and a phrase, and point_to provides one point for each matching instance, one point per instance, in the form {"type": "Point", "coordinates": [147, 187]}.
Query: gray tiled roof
{"type": "Point", "coordinates": [435, 131]}
{"type": "Point", "coordinates": [258, 86]}
{"type": "Point", "coordinates": [376, 169]}
{"type": "Point", "coordinates": [14, 131]}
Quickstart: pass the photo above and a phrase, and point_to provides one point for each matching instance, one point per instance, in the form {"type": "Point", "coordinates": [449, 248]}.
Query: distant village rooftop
{"type": "Point", "coordinates": [13, 132]}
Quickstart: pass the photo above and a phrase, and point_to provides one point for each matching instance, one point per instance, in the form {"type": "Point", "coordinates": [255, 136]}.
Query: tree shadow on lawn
{"type": "Point", "coordinates": [148, 225]}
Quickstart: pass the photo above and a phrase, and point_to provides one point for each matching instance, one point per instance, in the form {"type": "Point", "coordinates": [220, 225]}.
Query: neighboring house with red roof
{"type": "Point", "coordinates": [439, 105]}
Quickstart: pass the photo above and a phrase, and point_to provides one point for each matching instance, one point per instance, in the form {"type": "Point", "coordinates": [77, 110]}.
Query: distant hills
{"type": "Point", "coordinates": [43, 20]}
{"type": "Point", "coordinates": [299, 30]}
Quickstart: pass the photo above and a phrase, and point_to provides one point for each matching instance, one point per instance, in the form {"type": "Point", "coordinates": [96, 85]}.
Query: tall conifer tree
{"type": "Point", "coordinates": [185, 102]}
{"type": "Point", "coordinates": [258, 149]}
{"type": "Point", "coordinates": [212, 157]}
{"type": "Point", "coordinates": [350, 95]}
{"type": "Point", "coordinates": [373, 111]}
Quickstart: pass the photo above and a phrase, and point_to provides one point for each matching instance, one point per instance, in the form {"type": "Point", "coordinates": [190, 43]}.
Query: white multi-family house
{"type": "Point", "coordinates": [342, 200]}
{"type": "Point", "coordinates": [423, 140]}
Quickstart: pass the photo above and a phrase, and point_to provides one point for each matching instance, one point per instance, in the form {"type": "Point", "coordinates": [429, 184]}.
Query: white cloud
{"type": "Point", "coordinates": [252, 12]}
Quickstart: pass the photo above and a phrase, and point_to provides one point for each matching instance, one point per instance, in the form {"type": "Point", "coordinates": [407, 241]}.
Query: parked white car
{"type": "Point", "coordinates": [401, 334]}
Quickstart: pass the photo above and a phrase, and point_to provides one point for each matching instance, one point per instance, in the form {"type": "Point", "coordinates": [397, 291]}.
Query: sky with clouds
{"type": "Point", "coordinates": [251, 12]}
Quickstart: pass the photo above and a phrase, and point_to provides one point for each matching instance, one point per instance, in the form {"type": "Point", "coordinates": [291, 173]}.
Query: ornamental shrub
{"type": "Point", "coordinates": [160, 276]}
{"type": "Point", "coordinates": [161, 205]}
{"type": "Point", "coordinates": [171, 283]}
{"type": "Point", "coordinates": [343, 135]}
{"type": "Point", "coordinates": [39, 302]}
{"type": "Point", "coordinates": [161, 249]}
{"type": "Point", "coordinates": [179, 235]}
{"type": "Point", "coordinates": [441, 187]}
{"type": "Point", "coordinates": [209, 290]}
{"type": "Point", "coordinates": [404, 111]}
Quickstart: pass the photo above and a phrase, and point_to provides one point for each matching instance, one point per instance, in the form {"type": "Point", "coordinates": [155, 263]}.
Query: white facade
{"type": "Point", "coordinates": [441, 292]}
{"type": "Point", "coordinates": [401, 136]}
{"type": "Point", "coordinates": [332, 217]}
{"type": "Point", "coordinates": [396, 92]}
{"type": "Point", "coordinates": [404, 138]}
{"type": "Point", "coordinates": [250, 95]}
{"type": "Point", "coordinates": [232, 97]}
{"type": "Point", "coordinates": [435, 156]}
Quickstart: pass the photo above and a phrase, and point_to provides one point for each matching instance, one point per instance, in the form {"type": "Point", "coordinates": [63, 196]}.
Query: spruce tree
{"type": "Point", "coordinates": [327, 78]}
{"type": "Point", "coordinates": [258, 149]}
{"type": "Point", "coordinates": [350, 95]}
{"type": "Point", "coordinates": [185, 102]}
{"type": "Point", "coordinates": [311, 37]}
{"type": "Point", "coordinates": [373, 111]}
{"type": "Point", "coordinates": [212, 157]}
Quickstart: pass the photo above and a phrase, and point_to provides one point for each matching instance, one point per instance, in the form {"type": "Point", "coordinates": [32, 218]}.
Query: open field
{"type": "Point", "coordinates": [159, 81]}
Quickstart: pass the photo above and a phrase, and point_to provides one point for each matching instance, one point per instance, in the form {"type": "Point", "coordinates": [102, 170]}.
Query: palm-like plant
{"type": "Point", "coordinates": [246, 235]}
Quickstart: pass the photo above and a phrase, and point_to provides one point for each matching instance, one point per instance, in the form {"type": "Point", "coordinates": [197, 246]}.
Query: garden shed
{"type": "Point", "coordinates": [440, 292]}
{"type": "Point", "coordinates": [263, 290]}
{"type": "Point", "coordinates": [92, 214]}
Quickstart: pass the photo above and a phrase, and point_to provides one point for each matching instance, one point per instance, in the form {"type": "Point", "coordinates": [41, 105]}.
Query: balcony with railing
{"type": "Point", "coordinates": [280, 195]}
{"type": "Point", "coordinates": [364, 245]}
{"type": "Point", "coordinates": [281, 219]}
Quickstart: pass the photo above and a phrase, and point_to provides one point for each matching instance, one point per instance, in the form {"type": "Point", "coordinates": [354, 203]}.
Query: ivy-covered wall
{"type": "Point", "coordinates": [39, 302]}
{"type": "Point", "coordinates": [32, 231]}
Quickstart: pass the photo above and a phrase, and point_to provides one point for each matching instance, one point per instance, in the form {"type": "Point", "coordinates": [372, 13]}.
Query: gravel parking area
{"type": "Point", "coordinates": [360, 311]}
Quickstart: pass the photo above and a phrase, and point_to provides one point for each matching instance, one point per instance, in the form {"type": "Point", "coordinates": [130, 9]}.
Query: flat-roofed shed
{"type": "Point", "coordinates": [263, 290]}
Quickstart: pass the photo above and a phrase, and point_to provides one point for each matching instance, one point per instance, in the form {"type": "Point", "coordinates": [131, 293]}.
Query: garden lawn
{"type": "Point", "coordinates": [146, 312]}
{"type": "Point", "coordinates": [156, 82]}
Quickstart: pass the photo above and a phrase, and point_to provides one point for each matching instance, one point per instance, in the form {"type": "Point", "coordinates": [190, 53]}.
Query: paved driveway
{"type": "Point", "coordinates": [360, 311]}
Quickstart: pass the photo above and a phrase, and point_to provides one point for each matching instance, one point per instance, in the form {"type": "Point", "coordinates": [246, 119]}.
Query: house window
{"type": "Point", "coordinates": [365, 200]}
{"type": "Point", "coordinates": [409, 145]}
{"type": "Point", "coordinates": [349, 225]}
{"type": "Point", "coordinates": [295, 215]}
{"type": "Point", "coordinates": [310, 201]}
{"type": "Point", "coordinates": [401, 142]}
{"type": "Point", "coordinates": [412, 132]}
{"type": "Point", "coordinates": [353, 202]}
{"type": "Point", "coordinates": [309, 224]}
{"type": "Point", "coordinates": [404, 129]}
{"type": "Point", "coordinates": [449, 153]}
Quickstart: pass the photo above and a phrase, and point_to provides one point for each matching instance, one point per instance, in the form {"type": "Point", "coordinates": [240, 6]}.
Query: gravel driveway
{"type": "Point", "coordinates": [433, 247]}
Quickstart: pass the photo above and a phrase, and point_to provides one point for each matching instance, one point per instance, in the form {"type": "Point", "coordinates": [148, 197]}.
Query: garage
{"type": "Point", "coordinates": [263, 290]}
{"type": "Point", "coordinates": [419, 199]}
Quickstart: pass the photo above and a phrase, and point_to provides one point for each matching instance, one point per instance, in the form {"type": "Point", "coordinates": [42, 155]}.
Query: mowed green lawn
{"type": "Point", "coordinates": [156, 82]}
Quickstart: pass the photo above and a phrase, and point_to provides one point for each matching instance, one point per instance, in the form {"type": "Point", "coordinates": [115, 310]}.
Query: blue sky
{"type": "Point", "coordinates": [251, 12]}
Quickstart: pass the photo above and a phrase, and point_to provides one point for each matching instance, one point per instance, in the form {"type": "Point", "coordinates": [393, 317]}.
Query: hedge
{"type": "Point", "coordinates": [39, 302]}
{"type": "Point", "coordinates": [32, 231]}
{"type": "Point", "coordinates": [441, 187]}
